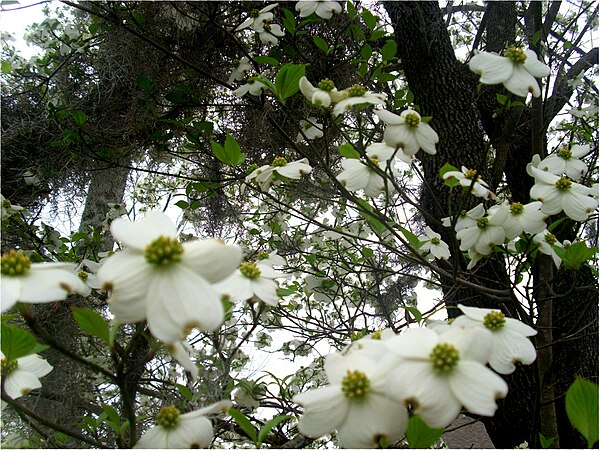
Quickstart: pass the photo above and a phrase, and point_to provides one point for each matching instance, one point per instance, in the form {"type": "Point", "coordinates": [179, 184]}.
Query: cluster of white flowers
{"type": "Point", "coordinates": [322, 8]}
{"type": "Point", "coordinates": [260, 21]}
{"type": "Point", "coordinates": [435, 371]}
{"type": "Point", "coordinates": [433, 247]}
{"type": "Point", "coordinates": [470, 179]}
{"type": "Point", "coordinates": [280, 170]}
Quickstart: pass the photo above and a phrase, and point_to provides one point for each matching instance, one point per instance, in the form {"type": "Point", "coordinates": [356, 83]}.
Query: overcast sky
{"type": "Point", "coordinates": [15, 17]}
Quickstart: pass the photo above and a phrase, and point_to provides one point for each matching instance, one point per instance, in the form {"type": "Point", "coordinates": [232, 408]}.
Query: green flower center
{"type": "Point", "coordinates": [515, 54]}
{"type": "Point", "coordinates": [6, 203]}
{"type": "Point", "coordinates": [550, 238]}
{"type": "Point", "coordinates": [254, 13]}
{"type": "Point", "coordinates": [326, 85]}
{"type": "Point", "coordinates": [482, 223]}
{"type": "Point", "coordinates": [251, 168]}
{"type": "Point", "coordinates": [83, 275]}
{"type": "Point", "coordinates": [15, 263]}
{"type": "Point", "coordinates": [444, 357]}
{"type": "Point", "coordinates": [563, 184]}
{"type": "Point", "coordinates": [471, 174]}
{"type": "Point", "coordinates": [279, 162]}
{"type": "Point", "coordinates": [7, 367]}
{"type": "Point", "coordinates": [267, 27]}
{"type": "Point", "coordinates": [435, 240]}
{"type": "Point", "coordinates": [355, 384]}
{"type": "Point", "coordinates": [164, 251]}
{"type": "Point", "coordinates": [262, 255]}
{"type": "Point", "coordinates": [356, 91]}
{"type": "Point", "coordinates": [463, 213]}
{"type": "Point", "coordinates": [376, 335]}
{"type": "Point", "coordinates": [168, 417]}
{"type": "Point", "coordinates": [516, 208]}
{"type": "Point", "coordinates": [412, 120]}
{"type": "Point", "coordinates": [249, 270]}
{"type": "Point", "coordinates": [494, 320]}
{"type": "Point", "coordinates": [565, 153]}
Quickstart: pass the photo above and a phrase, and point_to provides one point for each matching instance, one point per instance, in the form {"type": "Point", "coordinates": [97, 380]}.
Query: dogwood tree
{"type": "Point", "coordinates": [401, 198]}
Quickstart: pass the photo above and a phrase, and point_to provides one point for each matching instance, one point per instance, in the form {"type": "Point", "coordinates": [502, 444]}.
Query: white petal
{"type": "Point", "coordinates": [521, 82]}
{"type": "Point", "coordinates": [35, 365]}
{"type": "Point", "coordinates": [388, 117]}
{"type": "Point", "coordinates": [46, 284]}
{"type": "Point", "coordinates": [266, 290]}
{"type": "Point", "coordinates": [138, 235]}
{"type": "Point", "coordinates": [414, 343]}
{"type": "Point", "coordinates": [427, 138]}
{"type": "Point", "coordinates": [516, 326]}
{"type": "Point", "coordinates": [371, 418]}
{"type": "Point", "coordinates": [401, 135]}
{"type": "Point", "coordinates": [10, 288]}
{"type": "Point", "coordinates": [493, 68]}
{"type": "Point", "coordinates": [154, 438]}
{"type": "Point", "coordinates": [237, 286]}
{"type": "Point", "coordinates": [191, 432]}
{"type": "Point", "coordinates": [534, 66]}
{"type": "Point", "coordinates": [577, 207]}
{"type": "Point", "coordinates": [211, 259]}
{"type": "Point", "coordinates": [324, 410]}
{"type": "Point", "coordinates": [20, 382]}
{"type": "Point", "coordinates": [477, 387]}
{"type": "Point", "coordinates": [510, 348]}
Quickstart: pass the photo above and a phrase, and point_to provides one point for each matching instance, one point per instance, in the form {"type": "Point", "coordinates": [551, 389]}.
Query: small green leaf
{"type": "Point", "coordinates": [267, 427]}
{"type": "Point", "coordinates": [6, 67]}
{"type": "Point", "coordinates": [185, 392]}
{"type": "Point", "coordinates": [232, 150]}
{"type": "Point", "coordinates": [266, 60]}
{"type": "Point", "coordinates": [546, 443]}
{"type": "Point", "coordinates": [16, 342]}
{"type": "Point", "coordinates": [287, 80]}
{"type": "Point", "coordinates": [414, 312]}
{"type": "Point", "coordinates": [575, 254]}
{"type": "Point", "coordinates": [348, 151]}
{"type": "Point", "coordinates": [369, 19]}
{"type": "Point", "coordinates": [366, 52]}
{"type": "Point", "coordinates": [502, 99]}
{"type": "Point", "coordinates": [412, 238]}
{"type": "Point", "coordinates": [419, 435]}
{"type": "Point", "coordinates": [182, 204]}
{"type": "Point", "coordinates": [244, 424]}
{"type": "Point", "coordinates": [284, 292]}
{"type": "Point", "coordinates": [367, 252]}
{"type": "Point", "coordinates": [289, 21]}
{"type": "Point", "coordinates": [321, 44]}
{"type": "Point", "coordinates": [451, 182]}
{"type": "Point", "coordinates": [388, 51]}
{"type": "Point", "coordinates": [79, 117]}
{"type": "Point", "coordinates": [582, 408]}
{"type": "Point", "coordinates": [91, 322]}
{"type": "Point", "coordinates": [145, 84]}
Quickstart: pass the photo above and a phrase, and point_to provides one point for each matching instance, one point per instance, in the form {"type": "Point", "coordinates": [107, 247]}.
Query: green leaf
{"type": "Point", "coordinates": [267, 427]}
{"type": "Point", "coordinates": [575, 254]}
{"type": "Point", "coordinates": [16, 342]}
{"type": "Point", "coordinates": [321, 44]}
{"type": "Point", "coordinates": [92, 322]}
{"type": "Point", "coordinates": [419, 435]}
{"type": "Point", "coordinates": [414, 312]}
{"type": "Point", "coordinates": [366, 52]}
{"type": "Point", "coordinates": [283, 292]}
{"type": "Point", "coordinates": [582, 409]}
{"type": "Point", "coordinates": [375, 224]}
{"type": "Point", "coordinates": [244, 424]}
{"type": "Point", "coordinates": [289, 21]}
{"type": "Point", "coordinates": [348, 151]}
{"type": "Point", "coordinates": [182, 204]}
{"type": "Point", "coordinates": [79, 117]}
{"type": "Point", "coordinates": [266, 60]}
{"type": "Point", "coordinates": [287, 79]}
{"type": "Point", "coordinates": [502, 99]}
{"type": "Point", "coordinates": [232, 150]}
{"type": "Point", "coordinates": [546, 443]}
{"type": "Point", "coordinates": [367, 252]}
{"type": "Point", "coordinates": [6, 67]}
{"type": "Point", "coordinates": [388, 51]}
{"type": "Point", "coordinates": [145, 84]}
{"type": "Point", "coordinates": [412, 238]}
{"type": "Point", "coordinates": [449, 168]}
{"type": "Point", "coordinates": [369, 19]}
{"type": "Point", "coordinates": [185, 392]}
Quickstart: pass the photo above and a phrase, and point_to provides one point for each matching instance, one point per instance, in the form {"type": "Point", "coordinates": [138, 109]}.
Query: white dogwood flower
{"type": "Point", "coordinates": [466, 219]}
{"type": "Point", "coordinates": [357, 95]}
{"type": "Point", "coordinates": [22, 375]}
{"type": "Point", "coordinates": [509, 343]}
{"type": "Point", "coordinates": [408, 131]}
{"type": "Point", "coordinates": [252, 87]}
{"type": "Point", "coordinates": [258, 18]}
{"type": "Point", "coordinates": [521, 218]}
{"type": "Point", "coordinates": [270, 34]}
{"type": "Point", "coordinates": [440, 373]}
{"type": "Point", "coordinates": [268, 175]}
{"type": "Point", "coordinates": [485, 234]}
{"type": "Point", "coordinates": [561, 194]}
{"type": "Point", "coordinates": [517, 70]}
{"type": "Point", "coordinates": [433, 246]}
{"type": "Point", "coordinates": [471, 180]}
{"type": "Point", "coordinates": [25, 282]}
{"type": "Point", "coordinates": [241, 70]}
{"type": "Point", "coordinates": [176, 430]}
{"type": "Point", "coordinates": [566, 162]}
{"type": "Point", "coordinates": [323, 8]}
{"type": "Point", "coordinates": [311, 129]}
{"type": "Point", "coordinates": [158, 279]}
{"type": "Point", "coordinates": [323, 95]}
{"type": "Point", "coordinates": [545, 242]}
{"type": "Point", "coordinates": [8, 209]}
{"type": "Point", "coordinates": [356, 402]}
{"type": "Point", "coordinates": [253, 279]}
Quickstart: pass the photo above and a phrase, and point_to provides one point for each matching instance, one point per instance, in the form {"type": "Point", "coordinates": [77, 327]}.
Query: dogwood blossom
{"type": "Point", "coordinates": [258, 18]}
{"type": "Point", "coordinates": [252, 87]}
{"type": "Point", "coordinates": [356, 403]}
{"type": "Point", "coordinates": [8, 209]}
{"type": "Point", "coordinates": [466, 219]}
{"type": "Point", "coordinates": [433, 246]}
{"type": "Point", "coordinates": [268, 175]}
{"type": "Point", "coordinates": [485, 234]}
{"type": "Point", "coordinates": [517, 70]}
{"type": "Point", "coordinates": [521, 218]}
{"type": "Point", "coordinates": [323, 8]}
{"type": "Point", "coordinates": [253, 279]}
{"type": "Point", "coordinates": [545, 242]}
{"type": "Point", "coordinates": [357, 95]}
{"type": "Point", "coordinates": [565, 161]}
{"type": "Point", "coordinates": [323, 95]}
{"type": "Point", "coordinates": [471, 180]}
{"type": "Point", "coordinates": [311, 129]}
{"type": "Point", "coordinates": [241, 70]}
{"type": "Point", "coordinates": [440, 373]}
{"type": "Point", "coordinates": [25, 282]}
{"type": "Point", "coordinates": [561, 194]}
{"type": "Point", "coordinates": [509, 343]}
{"type": "Point", "coordinates": [158, 279]}
{"type": "Point", "coordinates": [176, 430]}
{"type": "Point", "coordinates": [180, 351]}
{"type": "Point", "coordinates": [408, 131]}
{"type": "Point", "coordinates": [22, 375]}
{"type": "Point", "coordinates": [270, 34]}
